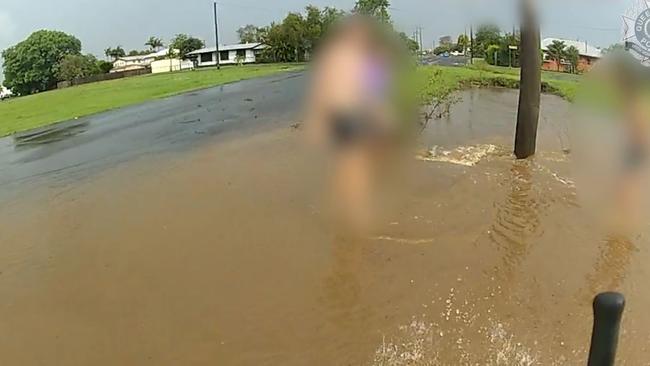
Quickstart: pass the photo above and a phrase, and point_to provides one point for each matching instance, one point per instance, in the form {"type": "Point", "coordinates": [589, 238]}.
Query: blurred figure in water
{"type": "Point", "coordinates": [350, 108]}
{"type": "Point", "coordinates": [613, 142]}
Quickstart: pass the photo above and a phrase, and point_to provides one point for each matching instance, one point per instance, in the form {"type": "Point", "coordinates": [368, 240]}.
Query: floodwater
{"type": "Point", "coordinates": [221, 255]}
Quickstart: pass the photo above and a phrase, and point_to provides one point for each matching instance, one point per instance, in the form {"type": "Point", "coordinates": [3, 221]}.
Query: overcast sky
{"type": "Point", "coordinates": [100, 24]}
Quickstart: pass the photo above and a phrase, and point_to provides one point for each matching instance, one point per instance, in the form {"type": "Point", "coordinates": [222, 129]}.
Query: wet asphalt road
{"type": "Point", "coordinates": [75, 149]}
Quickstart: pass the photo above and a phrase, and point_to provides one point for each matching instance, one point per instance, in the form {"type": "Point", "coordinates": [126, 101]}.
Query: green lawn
{"type": "Point", "coordinates": [25, 113]}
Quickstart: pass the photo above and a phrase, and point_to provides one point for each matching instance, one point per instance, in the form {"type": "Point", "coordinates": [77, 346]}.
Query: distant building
{"type": "Point", "coordinates": [228, 54]}
{"type": "Point", "coordinates": [138, 62]}
{"type": "Point", "coordinates": [5, 93]}
{"type": "Point", "coordinates": [445, 40]}
{"type": "Point", "coordinates": [588, 56]}
{"type": "Point", "coordinates": [169, 65]}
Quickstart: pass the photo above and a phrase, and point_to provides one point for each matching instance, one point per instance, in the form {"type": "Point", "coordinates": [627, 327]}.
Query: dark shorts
{"type": "Point", "coordinates": [349, 129]}
{"type": "Point", "coordinates": [635, 156]}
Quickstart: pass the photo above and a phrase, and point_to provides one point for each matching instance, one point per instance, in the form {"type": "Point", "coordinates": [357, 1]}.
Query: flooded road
{"type": "Point", "coordinates": [79, 148]}
{"type": "Point", "coordinates": [220, 254]}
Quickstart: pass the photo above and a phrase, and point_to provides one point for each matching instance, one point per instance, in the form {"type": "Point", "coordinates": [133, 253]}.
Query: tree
{"type": "Point", "coordinates": [444, 48]}
{"type": "Point", "coordinates": [374, 8]}
{"type": "Point", "coordinates": [30, 66]}
{"type": "Point", "coordinates": [298, 35]}
{"type": "Point", "coordinates": [137, 53]}
{"type": "Point", "coordinates": [287, 41]}
{"type": "Point", "coordinates": [329, 16]}
{"type": "Point", "coordinates": [250, 34]}
{"type": "Point", "coordinates": [463, 43]}
{"type": "Point", "coordinates": [531, 83]}
{"type": "Point", "coordinates": [115, 53]}
{"type": "Point", "coordinates": [278, 49]}
{"type": "Point", "coordinates": [556, 51]}
{"type": "Point", "coordinates": [572, 55]}
{"type": "Point", "coordinates": [185, 44]}
{"type": "Point", "coordinates": [492, 54]}
{"type": "Point", "coordinates": [312, 27]}
{"type": "Point", "coordinates": [77, 66]}
{"type": "Point", "coordinates": [104, 66]}
{"type": "Point", "coordinates": [155, 43]}
{"type": "Point", "coordinates": [410, 43]}
{"type": "Point", "coordinates": [486, 35]}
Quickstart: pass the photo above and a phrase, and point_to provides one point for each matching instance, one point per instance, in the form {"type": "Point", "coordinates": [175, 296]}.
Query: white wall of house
{"type": "Point", "coordinates": [210, 59]}
{"type": "Point", "coordinates": [131, 64]}
{"type": "Point", "coordinates": [4, 93]}
{"type": "Point", "coordinates": [137, 62]}
{"type": "Point", "coordinates": [170, 65]}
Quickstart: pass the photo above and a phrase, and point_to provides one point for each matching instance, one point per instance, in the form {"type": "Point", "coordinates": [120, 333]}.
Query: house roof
{"type": "Point", "coordinates": [231, 47]}
{"type": "Point", "coordinates": [584, 48]}
{"type": "Point", "coordinates": [161, 53]}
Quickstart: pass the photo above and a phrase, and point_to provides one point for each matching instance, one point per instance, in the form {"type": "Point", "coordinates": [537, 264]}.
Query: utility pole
{"type": "Point", "coordinates": [417, 37]}
{"type": "Point", "coordinates": [420, 44]}
{"type": "Point", "coordinates": [465, 43]}
{"type": "Point", "coordinates": [216, 36]}
{"type": "Point", "coordinates": [471, 44]}
{"type": "Point", "coordinates": [531, 83]}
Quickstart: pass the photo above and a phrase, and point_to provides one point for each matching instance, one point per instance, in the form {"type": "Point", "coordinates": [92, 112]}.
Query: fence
{"type": "Point", "coordinates": [102, 77]}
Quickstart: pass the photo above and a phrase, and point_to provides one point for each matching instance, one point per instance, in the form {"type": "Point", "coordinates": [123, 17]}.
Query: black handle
{"type": "Point", "coordinates": [608, 311]}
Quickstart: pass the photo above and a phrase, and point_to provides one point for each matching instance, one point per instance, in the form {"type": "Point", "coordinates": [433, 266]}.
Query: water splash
{"type": "Point", "coordinates": [463, 333]}
{"type": "Point", "coordinates": [461, 155]}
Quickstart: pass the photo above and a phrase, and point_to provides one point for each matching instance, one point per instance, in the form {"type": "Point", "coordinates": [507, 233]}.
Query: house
{"type": "Point", "coordinates": [228, 54]}
{"type": "Point", "coordinates": [169, 65]}
{"type": "Point", "coordinates": [588, 56]}
{"type": "Point", "coordinates": [5, 93]}
{"type": "Point", "coordinates": [139, 62]}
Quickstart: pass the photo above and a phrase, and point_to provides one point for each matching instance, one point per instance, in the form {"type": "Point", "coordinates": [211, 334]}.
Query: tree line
{"type": "Point", "coordinates": [495, 47]}
{"type": "Point", "coordinates": [296, 37]}
{"type": "Point", "coordinates": [489, 43]}
{"type": "Point", "coordinates": [46, 57]}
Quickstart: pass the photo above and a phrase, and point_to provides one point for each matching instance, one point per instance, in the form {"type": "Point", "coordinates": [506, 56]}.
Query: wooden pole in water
{"type": "Point", "coordinates": [530, 84]}
{"type": "Point", "coordinates": [471, 43]}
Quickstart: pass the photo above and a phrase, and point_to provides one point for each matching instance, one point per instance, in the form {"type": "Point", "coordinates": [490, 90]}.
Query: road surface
{"type": "Point", "coordinates": [74, 149]}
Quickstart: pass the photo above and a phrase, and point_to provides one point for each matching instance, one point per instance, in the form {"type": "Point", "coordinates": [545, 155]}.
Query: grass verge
{"type": "Point", "coordinates": [25, 113]}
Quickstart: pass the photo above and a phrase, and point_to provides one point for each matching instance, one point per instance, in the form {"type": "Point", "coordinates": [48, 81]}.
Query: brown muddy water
{"type": "Point", "coordinates": [222, 256]}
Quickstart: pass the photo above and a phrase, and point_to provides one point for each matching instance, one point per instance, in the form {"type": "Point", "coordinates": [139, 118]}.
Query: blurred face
{"type": "Point", "coordinates": [357, 34]}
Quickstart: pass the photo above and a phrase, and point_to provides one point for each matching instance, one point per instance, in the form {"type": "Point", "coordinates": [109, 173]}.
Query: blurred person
{"type": "Point", "coordinates": [350, 108]}
{"type": "Point", "coordinates": [614, 142]}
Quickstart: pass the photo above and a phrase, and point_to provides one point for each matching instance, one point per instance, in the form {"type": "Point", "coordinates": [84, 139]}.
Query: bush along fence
{"type": "Point", "coordinates": [102, 77]}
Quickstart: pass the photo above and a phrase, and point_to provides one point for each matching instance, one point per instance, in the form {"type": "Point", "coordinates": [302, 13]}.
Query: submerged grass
{"type": "Point", "coordinates": [29, 112]}
{"type": "Point", "coordinates": [437, 81]}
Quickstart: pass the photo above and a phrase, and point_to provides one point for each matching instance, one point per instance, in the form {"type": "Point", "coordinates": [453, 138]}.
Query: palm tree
{"type": "Point", "coordinates": [557, 51]}
{"type": "Point", "coordinates": [115, 53]}
{"type": "Point", "coordinates": [572, 55]}
{"type": "Point", "coordinates": [155, 43]}
{"type": "Point", "coordinates": [119, 52]}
